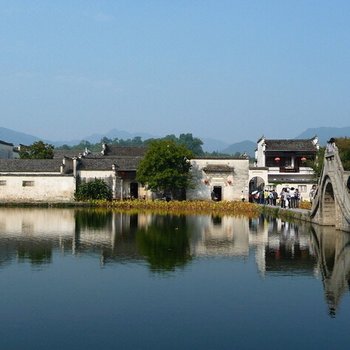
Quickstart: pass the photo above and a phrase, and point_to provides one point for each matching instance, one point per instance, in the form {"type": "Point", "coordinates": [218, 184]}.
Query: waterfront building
{"type": "Point", "coordinates": [283, 163]}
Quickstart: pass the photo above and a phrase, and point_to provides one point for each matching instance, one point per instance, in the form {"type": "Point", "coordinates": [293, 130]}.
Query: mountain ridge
{"type": "Point", "coordinates": [209, 144]}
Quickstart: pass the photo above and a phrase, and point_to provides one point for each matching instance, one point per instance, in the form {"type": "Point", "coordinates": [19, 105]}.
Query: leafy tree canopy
{"type": "Point", "coordinates": [343, 145]}
{"type": "Point", "coordinates": [193, 144]}
{"type": "Point", "coordinates": [38, 150]}
{"type": "Point", "coordinates": [165, 167]}
{"type": "Point", "coordinates": [92, 190]}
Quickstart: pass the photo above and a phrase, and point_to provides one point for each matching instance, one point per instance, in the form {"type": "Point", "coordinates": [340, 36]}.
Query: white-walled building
{"type": "Point", "coordinates": [35, 180]}
{"type": "Point", "coordinates": [224, 178]}
{"type": "Point", "coordinates": [284, 163]}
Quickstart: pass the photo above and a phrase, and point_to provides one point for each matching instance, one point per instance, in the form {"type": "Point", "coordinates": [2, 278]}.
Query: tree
{"type": "Point", "coordinates": [92, 190]}
{"type": "Point", "coordinates": [194, 144]}
{"type": "Point", "coordinates": [317, 163]}
{"type": "Point", "coordinates": [38, 150]}
{"type": "Point", "coordinates": [165, 168]}
{"type": "Point", "coordinates": [343, 144]}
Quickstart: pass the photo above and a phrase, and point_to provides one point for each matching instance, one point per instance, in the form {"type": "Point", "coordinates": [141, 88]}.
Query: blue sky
{"type": "Point", "coordinates": [229, 70]}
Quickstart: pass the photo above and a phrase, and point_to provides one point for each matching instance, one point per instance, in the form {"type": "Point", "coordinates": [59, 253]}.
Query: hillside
{"type": "Point", "coordinates": [241, 147]}
{"type": "Point", "coordinates": [16, 138]}
{"type": "Point", "coordinates": [209, 144]}
{"type": "Point", "coordinates": [324, 133]}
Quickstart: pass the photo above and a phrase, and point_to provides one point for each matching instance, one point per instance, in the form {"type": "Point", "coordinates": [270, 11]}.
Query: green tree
{"type": "Point", "coordinates": [96, 189]}
{"type": "Point", "coordinates": [165, 168]}
{"type": "Point", "coordinates": [343, 144]}
{"type": "Point", "coordinates": [317, 163]}
{"type": "Point", "coordinates": [194, 144]}
{"type": "Point", "coordinates": [38, 150]}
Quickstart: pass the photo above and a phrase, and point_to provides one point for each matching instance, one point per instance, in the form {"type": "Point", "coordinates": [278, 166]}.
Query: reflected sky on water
{"type": "Point", "coordinates": [74, 279]}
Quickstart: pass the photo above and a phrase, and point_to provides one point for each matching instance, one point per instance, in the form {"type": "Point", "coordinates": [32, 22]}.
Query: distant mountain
{"type": "Point", "coordinates": [212, 145]}
{"type": "Point", "coordinates": [241, 147]}
{"type": "Point", "coordinates": [120, 134]}
{"type": "Point", "coordinates": [209, 144]}
{"type": "Point", "coordinates": [7, 135]}
{"type": "Point", "coordinates": [324, 133]}
{"type": "Point", "coordinates": [11, 136]}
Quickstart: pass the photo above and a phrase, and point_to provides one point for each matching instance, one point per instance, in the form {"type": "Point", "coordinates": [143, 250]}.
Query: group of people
{"type": "Point", "coordinates": [288, 198]}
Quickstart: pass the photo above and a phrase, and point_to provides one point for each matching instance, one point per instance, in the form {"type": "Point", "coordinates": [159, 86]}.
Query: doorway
{"type": "Point", "coordinates": [217, 193]}
{"type": "Point", "coordinates": [134, 190]}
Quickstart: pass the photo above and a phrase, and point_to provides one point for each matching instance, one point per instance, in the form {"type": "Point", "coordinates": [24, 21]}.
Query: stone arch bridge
{"type": "Point", "coordinates": [331, 205]}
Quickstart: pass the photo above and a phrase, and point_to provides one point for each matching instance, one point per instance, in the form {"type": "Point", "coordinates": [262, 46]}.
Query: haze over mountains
{"type": "Point", "coordinates": [209, 145]}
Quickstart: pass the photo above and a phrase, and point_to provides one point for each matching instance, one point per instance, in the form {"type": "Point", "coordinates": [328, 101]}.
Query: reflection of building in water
{"type": "Point", "coordinates": [226, 236]}
{"type": "Point", "coordinates": [277, 246]}
{"type": "Point", "coordinates": [37, 222]}
{"type": "Point", "coordinates": [167, 242]}
{"type": "Point", "coordinates": [288, 250]}
{"type": "Point", "coordinates": [109, 233]}
{"type": "Point", "coordinates": [31, 234]}
{"type": "Point", "coordinates": [332, 250]}
{"type": "Point", "coordinates": [219, 236]}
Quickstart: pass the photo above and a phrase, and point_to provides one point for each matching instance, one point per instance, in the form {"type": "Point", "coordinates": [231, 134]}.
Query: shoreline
{"type": "Point", "coordinates": [176, 207]}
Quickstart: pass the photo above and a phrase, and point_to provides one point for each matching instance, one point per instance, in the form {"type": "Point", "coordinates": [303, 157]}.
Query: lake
{"type": "Point", "coordinates": [89, 279]}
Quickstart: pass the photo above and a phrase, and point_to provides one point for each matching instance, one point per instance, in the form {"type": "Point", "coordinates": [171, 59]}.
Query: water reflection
{"type": "Point", "coordinates": [166, 243]}
{"type": "Point", "coordinates": [332, 249]}
{"type": "Point", "coordinates": [288, 251]}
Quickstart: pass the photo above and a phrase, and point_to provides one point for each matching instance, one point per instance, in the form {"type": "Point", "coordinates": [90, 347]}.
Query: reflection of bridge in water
{"type": "Point", "coordinates": [332, 249]}
{"type": "Point", "coordinates": [331, 205]}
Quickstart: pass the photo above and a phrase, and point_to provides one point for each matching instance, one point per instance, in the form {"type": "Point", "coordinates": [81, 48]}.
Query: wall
{"type": "Point", "coordinates": [260, 153]}
{"type": "Point", "coordinates": [6, 151]}
{"type": "Point", "coordinates": [232, 183]}
{"type": "Point", "coordinates": [38, 188]}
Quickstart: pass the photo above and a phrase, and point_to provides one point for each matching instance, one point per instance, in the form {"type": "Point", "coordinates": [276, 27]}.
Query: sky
{"type": "Point", "coordinates": [224, 69]}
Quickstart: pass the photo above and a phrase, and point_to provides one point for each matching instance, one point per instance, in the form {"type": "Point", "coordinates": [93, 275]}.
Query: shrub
{"type": "Point", "coordinates": [92, 190]}
{"type": "Point", "coordinates": [343, 145]}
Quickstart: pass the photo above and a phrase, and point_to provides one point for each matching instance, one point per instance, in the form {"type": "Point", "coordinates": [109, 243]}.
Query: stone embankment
{"type": "Point", "coordinates": [287, 214]}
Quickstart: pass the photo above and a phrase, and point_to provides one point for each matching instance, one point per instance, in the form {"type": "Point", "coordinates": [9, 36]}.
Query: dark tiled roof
{"type": "Point", "coordinates": [61, 153]}
{"type": "Point", "coordinates": [106, 163]}
{"type": "Point", "coordinates": [112, 150]}
{"type": "Point", "coordinates": [218, 167]}
{"type": "Point", "coordinates": [290, 145]}
{"type": "Point", "coordinates": [6, 143]}
{"type": "Point", "coordinates": [30, 165]}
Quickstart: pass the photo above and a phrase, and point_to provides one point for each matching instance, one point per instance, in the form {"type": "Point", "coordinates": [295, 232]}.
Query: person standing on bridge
{"type": "Point", "coordinates": [312, 193]}
{"type": "Point", "coordinates": [330, 145]}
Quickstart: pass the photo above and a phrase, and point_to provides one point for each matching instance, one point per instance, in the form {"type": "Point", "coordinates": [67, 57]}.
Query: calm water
{"type": "Point", "coordinates": [79, 279]}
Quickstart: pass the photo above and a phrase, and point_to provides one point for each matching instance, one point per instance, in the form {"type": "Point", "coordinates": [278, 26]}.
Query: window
{"type": "Point", "coordinates": [27, 183]}
{"type": "Point", "coordinates": [302, 188]}
{"type": "Point", "coordinates": [2, 182]}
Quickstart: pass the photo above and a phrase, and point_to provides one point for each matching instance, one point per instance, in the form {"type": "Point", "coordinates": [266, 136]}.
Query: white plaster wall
{"type": "Point", "coordinates": [230, 191]}
{"type": "Point", "coordinates": [260, 153]}
{"type": "Point", "coordinates": [98, 174]}
{"type": "Point", "coordinates": [45, 188]}
{"type": "Point", "coordinates": [262, 173]}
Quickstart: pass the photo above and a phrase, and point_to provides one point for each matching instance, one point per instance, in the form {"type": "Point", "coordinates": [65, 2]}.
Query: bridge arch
{"type": "Point", "coordinates": [328, 203]}
{"type": "Point", "coordinates": [331, 204]}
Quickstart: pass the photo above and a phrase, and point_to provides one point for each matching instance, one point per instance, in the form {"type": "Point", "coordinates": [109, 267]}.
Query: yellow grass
{"type": "Point", "coordinates": [184, 207]}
